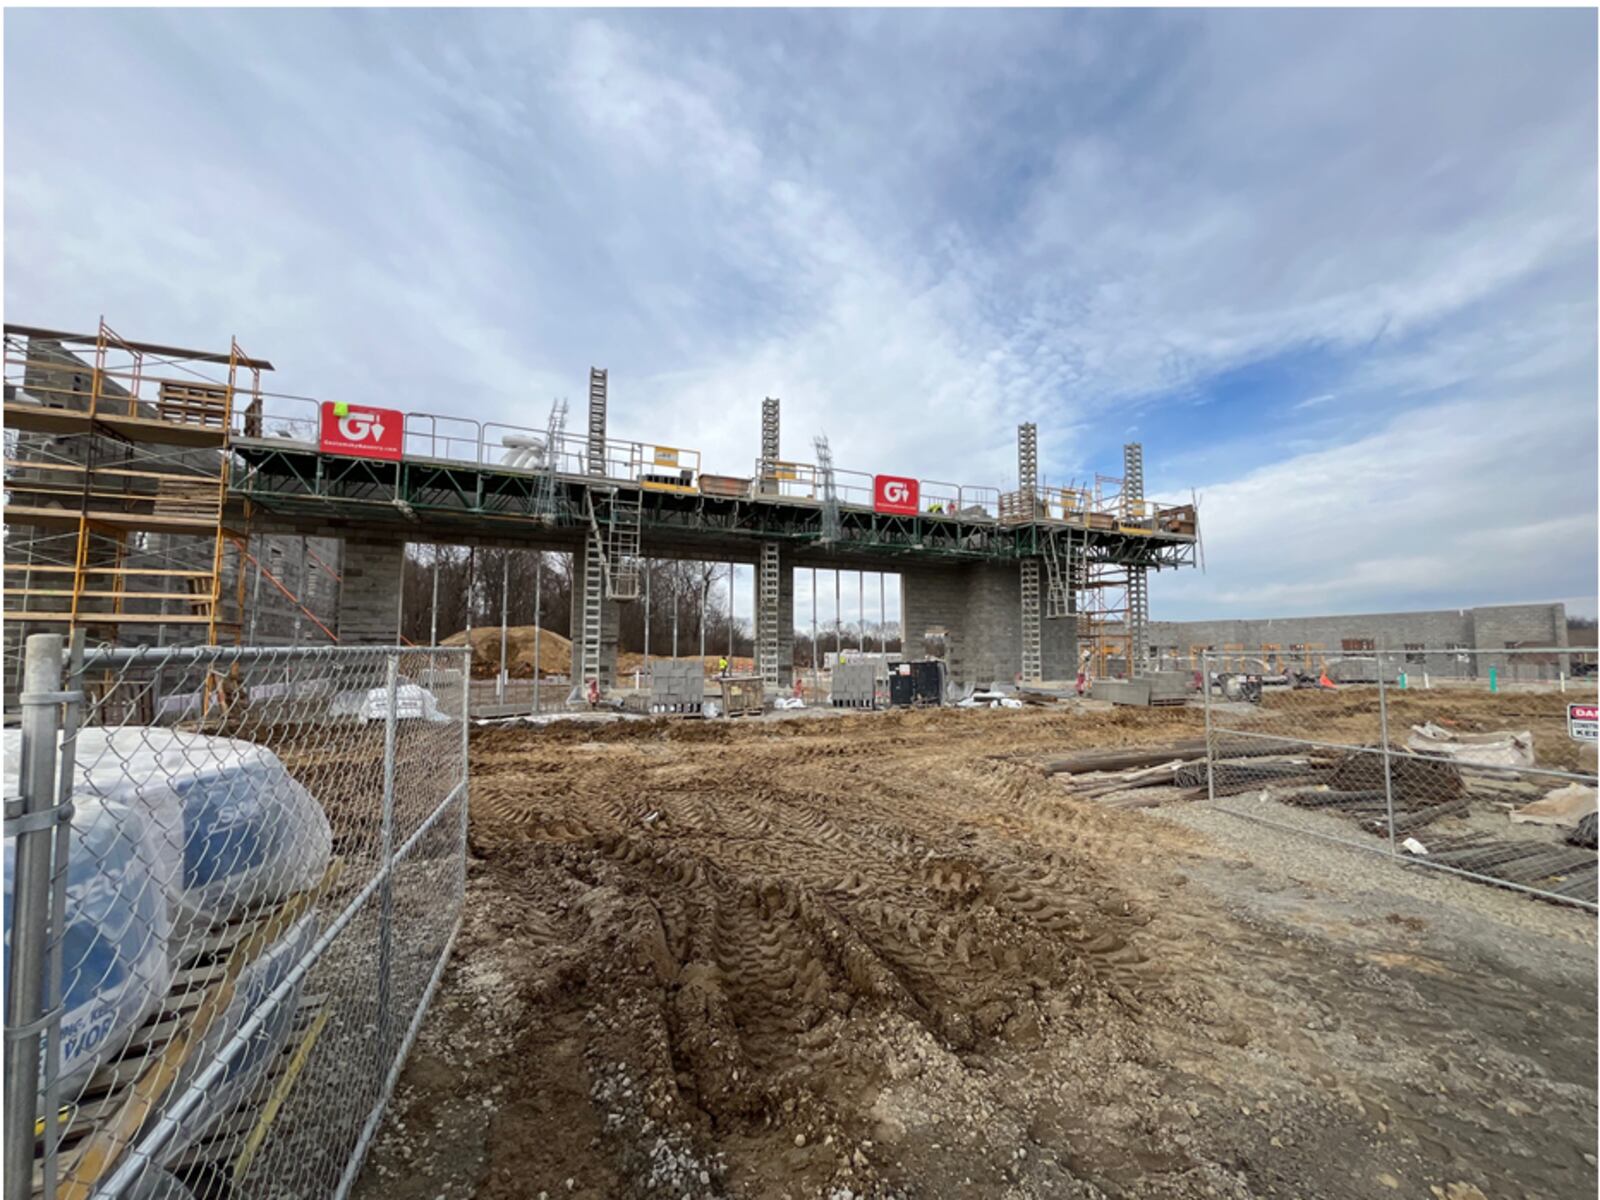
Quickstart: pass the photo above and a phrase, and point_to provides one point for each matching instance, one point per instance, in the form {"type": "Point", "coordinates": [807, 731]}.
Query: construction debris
{"type": "Point", "coordinates": [1503, 749]}
{"type": "Point", "coordinates": [1565, 806]}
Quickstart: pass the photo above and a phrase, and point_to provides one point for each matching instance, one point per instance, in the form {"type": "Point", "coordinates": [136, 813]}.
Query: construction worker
{"type": "Point", "coordinates": [722, 665]}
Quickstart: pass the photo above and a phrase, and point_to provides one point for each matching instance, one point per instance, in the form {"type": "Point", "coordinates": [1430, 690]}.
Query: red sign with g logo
{"type": "Point", "coordinates": [894, 494]}
{"type": "Point", "coordinates": [361, 432]}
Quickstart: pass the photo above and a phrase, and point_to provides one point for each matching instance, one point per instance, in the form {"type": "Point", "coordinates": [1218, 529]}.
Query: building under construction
{"type": "Point", "coordinates": [161, 495]}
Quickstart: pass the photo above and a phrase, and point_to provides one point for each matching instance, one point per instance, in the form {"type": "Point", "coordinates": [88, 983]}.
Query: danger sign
{"type": "Point", "coordinates": [894, 494]}
{"type": "Point", "coordinates": [361, 432]}
{"type": "Point", "coordinates": [1583, 722]}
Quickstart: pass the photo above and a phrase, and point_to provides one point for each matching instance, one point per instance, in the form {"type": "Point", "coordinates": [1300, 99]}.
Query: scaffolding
{"type": "Point", "coordinates": [116, 473]}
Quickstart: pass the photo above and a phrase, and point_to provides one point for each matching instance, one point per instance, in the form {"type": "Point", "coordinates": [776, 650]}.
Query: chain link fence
{"type": "Point", "coordinates": [233, 878]}
{"type": "Point", "coordinates": [1464, 765]}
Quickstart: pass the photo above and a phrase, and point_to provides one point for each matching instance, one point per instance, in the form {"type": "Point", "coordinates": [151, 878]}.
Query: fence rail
{"type": "Point", "coordinates": [1474, 776]}
{"type": "Point", "coordinates": [236, 875]}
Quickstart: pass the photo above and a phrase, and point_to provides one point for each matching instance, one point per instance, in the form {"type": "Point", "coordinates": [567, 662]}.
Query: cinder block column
{"type": "Point", "coordinates": [1059, 644]}
{"type": "Point", "coordinates": [980, 609]}
{"type": "Point", "coordinates": [370, 580]}
{"type": "Point", "coordinates": [936, 598]}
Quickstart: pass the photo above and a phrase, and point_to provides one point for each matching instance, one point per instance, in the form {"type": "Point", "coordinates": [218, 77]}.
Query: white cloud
{"type": "Point", "coordinates": [917, 229]}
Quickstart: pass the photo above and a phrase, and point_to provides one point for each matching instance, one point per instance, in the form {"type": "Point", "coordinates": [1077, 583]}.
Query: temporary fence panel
{"type": "Point", "coordinates": [1473, 773]}
{"type": "Point", "coordinates": [246, 905]}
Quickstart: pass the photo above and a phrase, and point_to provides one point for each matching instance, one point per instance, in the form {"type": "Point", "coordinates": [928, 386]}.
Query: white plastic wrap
{"type": "Point", "coordinates": [116, 963]}
{"type": "Point", "coordinates": [248, 834]}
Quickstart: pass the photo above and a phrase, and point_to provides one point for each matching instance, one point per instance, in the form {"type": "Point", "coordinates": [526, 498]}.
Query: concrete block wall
{"type": "Point", "coordinates": [1429, 638]}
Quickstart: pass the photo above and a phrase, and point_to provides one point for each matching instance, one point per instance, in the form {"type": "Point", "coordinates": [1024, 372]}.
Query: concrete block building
{"type": "Point", "coordinates": [1433, 641]}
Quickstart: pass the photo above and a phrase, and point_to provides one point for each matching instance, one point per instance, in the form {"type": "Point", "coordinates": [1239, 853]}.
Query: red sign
{"type": "Point", "coordinates": [894, 494]}
{"type": "Point", "coordinates": [1583, 722]}
{"type": "Point", "coordinates": [360, 431]}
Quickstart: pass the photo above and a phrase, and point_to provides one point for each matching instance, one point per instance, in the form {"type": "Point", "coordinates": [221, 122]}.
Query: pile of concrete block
{"type": "Point", "coordinates": [855, 685]}
{"type": "Point", "coordinates": [1157, 687]}
{"type": "Point", "coordinates": [678, 687]}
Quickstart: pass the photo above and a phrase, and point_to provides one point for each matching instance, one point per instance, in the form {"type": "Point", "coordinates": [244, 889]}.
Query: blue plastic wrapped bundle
{"type": "Point", "coordinates": [115, 950]}
{"type": "Point", "coordinates": [249, 835]}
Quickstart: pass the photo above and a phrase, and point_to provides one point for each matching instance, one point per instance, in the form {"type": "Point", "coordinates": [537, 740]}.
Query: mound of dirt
{"type": "Point", "coordinates": [555, 654]}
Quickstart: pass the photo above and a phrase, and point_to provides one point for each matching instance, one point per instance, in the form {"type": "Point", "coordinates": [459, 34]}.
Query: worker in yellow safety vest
{"type": "Point", "coordinates": [722, 665]}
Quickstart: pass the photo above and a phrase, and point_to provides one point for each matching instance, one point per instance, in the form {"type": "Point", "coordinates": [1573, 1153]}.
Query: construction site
{"type": "Point", "coordinates": [1009, 892]}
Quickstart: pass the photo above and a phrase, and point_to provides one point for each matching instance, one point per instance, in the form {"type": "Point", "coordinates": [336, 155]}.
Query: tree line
{"type": "Point", "coordinates": [687, 594]}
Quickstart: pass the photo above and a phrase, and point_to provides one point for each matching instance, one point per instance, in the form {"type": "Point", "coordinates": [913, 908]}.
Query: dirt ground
{"type": "Point", "coordinates": [885, 955]}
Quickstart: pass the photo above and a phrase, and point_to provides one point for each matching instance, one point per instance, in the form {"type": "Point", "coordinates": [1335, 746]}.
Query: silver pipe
{"type": "Point", "coordinates": [30, 906]}
{"type": "Point", "coordinates": [538, 613]}
{"type": "Point", "coordinates": [816, 648]}
{"type": "Point", "coordinates": [391, 686]}
{"type": "Point", "coordinates": [505, 595]}
{"type": "Point", "coordinates": [433, 615]}
{"type": "Point", "coordinates": [65, 779]}
{"type": "Point", "coordinates": [352, 1167]}
{"type": "Point", "coordinates": [399, 601]}
{"type": "Point", "coordinates": [1388, 768]}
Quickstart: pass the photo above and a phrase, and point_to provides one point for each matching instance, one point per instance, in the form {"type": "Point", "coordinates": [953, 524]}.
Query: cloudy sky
{"type": "Point", "coordinates": [1336, 270]}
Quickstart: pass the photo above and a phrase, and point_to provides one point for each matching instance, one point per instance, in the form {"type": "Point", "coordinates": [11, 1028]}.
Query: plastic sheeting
{"type": "Point", "coordinates": [1503, 749]}
{"type": "Point", "coordinates": [115, 964]}
{"type": "Point", "coordinates": [248, 834]}
{"type": "Point", "coordinates": [412, 702]}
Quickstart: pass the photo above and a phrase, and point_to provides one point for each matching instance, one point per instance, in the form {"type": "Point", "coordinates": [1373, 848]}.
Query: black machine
{"type": "Point", "coordinates": [916, 684]}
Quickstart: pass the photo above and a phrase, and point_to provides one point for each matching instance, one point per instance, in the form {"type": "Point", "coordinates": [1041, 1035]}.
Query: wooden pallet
{"type": "Point", "coordinates": [120, 1097]}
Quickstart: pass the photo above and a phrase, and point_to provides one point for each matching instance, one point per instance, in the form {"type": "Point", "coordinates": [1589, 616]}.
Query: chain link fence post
{"type": "Point", "coordinates": [1211, 749]}
{"type": "Point", "coordinates": [31, 818]}
{"type": "Point", "coordinates": [1383, 735]}
{"type": "Point", "coordinates": [391, 721]}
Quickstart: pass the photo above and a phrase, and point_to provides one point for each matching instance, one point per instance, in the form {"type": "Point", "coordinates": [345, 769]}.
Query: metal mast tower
{"type": "Point", "coordinates": [1028, 487]}
{"type": "Point", "coordinates": [1138, 577]}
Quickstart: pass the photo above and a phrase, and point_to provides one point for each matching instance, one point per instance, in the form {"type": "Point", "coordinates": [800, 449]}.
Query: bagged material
{"type": "Point", "coordinates": [247, 833]}
{"type": "Point", "coordinates": [412, 702]}
{"type": "Point", "coordinates": [1503, 749]}
{"type": "Point", "coordinates": [118, 930]}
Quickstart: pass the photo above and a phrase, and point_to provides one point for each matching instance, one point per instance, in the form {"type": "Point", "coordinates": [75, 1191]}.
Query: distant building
{"type": "Point", "coordinates": [1435, 642]}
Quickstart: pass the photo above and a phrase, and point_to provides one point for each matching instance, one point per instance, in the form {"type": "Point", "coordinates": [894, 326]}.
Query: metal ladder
{"type": "Point", "coordinates": [1138, 577]}
{"type": "Point", "coordinates": [769, 435]}
{"type": "Point", "coordinates": [767, 615]}
{"type": "Point", "coordinates": [614, 519]}
{"type": "Point", "coordinates": [1058, 585]}
{"type": "Point", "coordinates": [1132, 480]}
{"type": "Point", "coordinates": [593, 597]}
{"type": "Point", "coordinates": [1032, 649]}
{"type": "Point", "coordinates": [545, 501]}
{"type": "Point", "coordinates": [831, 528]}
